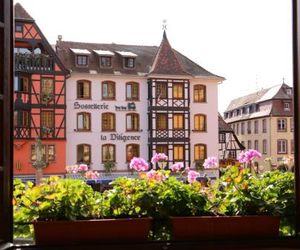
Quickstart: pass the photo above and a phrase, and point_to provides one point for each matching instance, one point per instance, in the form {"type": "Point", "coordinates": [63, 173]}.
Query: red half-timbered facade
{"type": "Point", "coordinates": [39, 99]}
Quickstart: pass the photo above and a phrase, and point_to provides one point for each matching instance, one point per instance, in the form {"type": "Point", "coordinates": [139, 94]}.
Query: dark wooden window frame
{"type": "Point", "coordinates": [286, 147]}
{"type": "Point", "coordinates": [90, 153]}
{"type": "Point", "coordinates": [200, 145]}
{"type": "Point", "coordinates": [134, 145]}
{"type": "Point", "coordinates": [114, 90]}
{"type": "Point", "coordinates": [132, 98]}
{"type": "Point", "coordinates": [285, 125]}
{"type": "Point", "coordinates": [126, 60]}
{"type": "Point", "coordinates": [183, 150]}
{"type": "Point", "coordinates": [114, 122]}
{"type": "Point", "coordinates": [183, 121]}
{"type": "Point", "coordinates": [90, 119]}
{"type": "Point", "coordinates": [46, 152]}
{"type": "Point", "coordinates": [114, 151]}
{"type": "Point", "coordinates": [200, 87]}
{"type": "Point", "coordinates": [205, 121]}
{"type": "Point", "coordinates": [132, 115]}
{"type": "Point", "coordinates": [90, 89]}
{"type": "Point", "coordinates": [183, 90]}
{"type": "Point", "coordinates": [103, 65]}
{"type": "Point", "coordinates": [82, 65]}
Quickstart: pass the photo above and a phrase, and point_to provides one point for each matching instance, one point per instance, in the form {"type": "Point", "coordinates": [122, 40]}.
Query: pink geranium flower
{"type": "Point", "coordinates": [210, 162]}
{"type": "Point", "coordinates": [192, 176]}
{"type": "Point", "coordinates": [91, 175]}
{"type": "Point", "coordinates": [176, 167]}
{"type": "Point", "coordinates": [138, 164]}
{"type": "Point", "coordinates": [248, 156]}
{"type": "Point", "coordinates": [157, 176]}
{"type": "Point", "coordinates": [82, 168]}
{"type": "Point", "coordinates": [158, 157]}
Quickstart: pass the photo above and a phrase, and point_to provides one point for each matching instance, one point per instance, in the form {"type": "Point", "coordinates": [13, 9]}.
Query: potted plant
{"type": "Point", "coordinates": [109, 166]}
{"type": "Point", "coordinates": [68, 211]}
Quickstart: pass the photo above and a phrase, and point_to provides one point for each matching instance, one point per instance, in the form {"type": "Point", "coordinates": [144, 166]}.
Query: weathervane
{"type": "Point", "coordinates": [164, 26]}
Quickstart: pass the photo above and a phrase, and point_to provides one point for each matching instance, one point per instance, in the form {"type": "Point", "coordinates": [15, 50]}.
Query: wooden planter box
{"type": "Point", "coordinates": [89, 231]}
{"type": "Point", "coordinates": [225, 227]}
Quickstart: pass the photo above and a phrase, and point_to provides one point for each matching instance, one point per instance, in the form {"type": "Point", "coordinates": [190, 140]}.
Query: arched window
{"type": "Point", "coordinates": [108, 90]}
{"type": "Point", "coordinates": [108, 122]}
{"type": "Point", "coordinates": [132, 122]}
{"type": "Point", "coordinates": [132, 91]}
{"type": "Point", "coordinates": [200, 152]}
{"type": "Point", "coordinates": [200, 123]}
{"type": "Point", "coordinates": [132, 150]}
{"type": "Point", "coordinates": [199, 93]}
{"type": "Point", "coordinates": [108, 152]}
{"type": "Point", "coordinates": [83, 89]}
{"type": "Point", "coordinates": [84, 153]}
{"type": "Point", "coordinates": [83, 121]}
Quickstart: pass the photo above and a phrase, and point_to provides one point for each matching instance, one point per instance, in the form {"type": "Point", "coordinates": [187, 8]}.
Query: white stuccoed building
{"type": "Point", "coordinates": [128, 100]}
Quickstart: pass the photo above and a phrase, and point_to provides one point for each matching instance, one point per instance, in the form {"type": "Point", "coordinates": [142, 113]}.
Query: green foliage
{"type": "Point", "coordinates": [109, 166]}
{"type": "Point", "coordinates": [238, 192]}
{"type": "Point", "coordinates": [54, 199]}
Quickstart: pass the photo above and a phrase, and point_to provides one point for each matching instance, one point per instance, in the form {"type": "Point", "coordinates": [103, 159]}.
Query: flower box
{"type": "Point", "coordinates": [83, 231]}
{"type": "Point", "coordinates": [224, 227]}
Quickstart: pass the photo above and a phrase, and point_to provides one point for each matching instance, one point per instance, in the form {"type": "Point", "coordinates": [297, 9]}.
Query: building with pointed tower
{"type": "Point", "coordinates": [132, 100]}
{"type": "Point", "coordinates": [39, 100]}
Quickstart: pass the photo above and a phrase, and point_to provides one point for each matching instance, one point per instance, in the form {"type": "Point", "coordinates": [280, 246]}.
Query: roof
{"type": "Point", "coordinates": [80, 51]}
{"type": "Point", "coordinates": [275, 92]}
{"type": "Point", "coordinates": [21, 13]}
{"type": "Point", "coordinates": [223, 126]}
{"type": "Point", "coordinates": [146, 57]}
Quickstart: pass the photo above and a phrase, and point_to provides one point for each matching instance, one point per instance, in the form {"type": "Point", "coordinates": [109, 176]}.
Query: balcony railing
{"type": "Point", "coordinates": [33, 62]}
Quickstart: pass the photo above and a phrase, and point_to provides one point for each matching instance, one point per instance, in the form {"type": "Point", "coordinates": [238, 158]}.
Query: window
{"type": "Point", "coordinates": [200, 123]}
{"type": "Point", "coordinates": [161, 121]}
{"type": "Point", "coordinates": [249, 127]}
{"type": "Point", "coordinates": [237, 128]}
{"type": "Point", "coordinates": [286, 106]}
{"type": "Point", "coordinates": [132, 91]}
{"type": "Point", "coordinates": [264, 126]}
{"type": "Point", "coordinates": [132, 122]}
{"type": "Point", "coordinates": [105, 61]}
{"type": "Point", "coordinates": [18, 27]}
{"type": "Point", "coordinates": [48, 153]}
{"type": "Point", "coordinates": [21, 84]}
{"type": "Point", "coordinates": [161, 90]}
{"type": "Point", "coordinates": [200, 152]}
{"type": "Point", "coordinates": [256, 145]}
{"type": "Point", "coordinates": [292, 146]}
{"type": "Point", "coordinates": [108, 122]}
{"type": "Point", "coordinates": [178, 91]}
{"type": "Point", "coordinates": [47, 90]}
{"type": "Point", "coordinates": [108, 152]}
{"type": "Point", "coordinates": [21, 118]}
{"type": "Point", "coordinates": [255, 127]}
{"type": "Point", "coordinates": [222, 138]}
{"type": "Point", "coordinates": [83, 121]}
{"type": "Point", "coordinates": [282, 146]}
{"type": "Point", "coordinates": [178, 153]}
{"type": "Point", "coordinates": [264, 149]}
{"type": "Point", "coordinates": [82, 60]}
{"type": "Point", "coordinates": [47, 119]}
{"type": "Point", "coordinates": [84, 153]}
{"type": "Point", "coordinates": [281, 125]}
{"type": "Point", "coordinates": [178, 121]}
{"type": "Point", "coordinates": [249, 144]}
{"type": "Point", "coordinates": [199, 93]}
{"type": "Point", "coordinates": [83, 89]}
{"type": "Point", "coordinates": [108, 90]}
{"type": "Point", "coordinates": [162, 149]}
{"type": "Point", "coordinates": [242, 128]}
{"type": "Point", "coordinates": [129, 62]}
{"type": "Point", "coordinates": [292, 124]}
{"type": "Point", "coordinates": [132, 150]}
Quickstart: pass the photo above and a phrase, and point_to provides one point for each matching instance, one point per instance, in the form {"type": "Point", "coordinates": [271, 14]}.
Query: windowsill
{"type": "Point", "coordinates": [108, 131]}
{"type": "Point", "coordinates": [199, 131]}
{"type": "Point", "coordinates": [108, 99]}
{"type": "Point", "coordinates": [132, 100]}
{"type": "Point", "coordinates": [83, 98]}
{"type": "Point", "coordinates": [134, 131]}
{"type": "Point", "coordinates": [79, 130]}
{"type": "Point", "coordinates": [204, 102]}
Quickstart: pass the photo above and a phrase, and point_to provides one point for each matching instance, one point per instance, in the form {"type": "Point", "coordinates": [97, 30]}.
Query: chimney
{"type": "Point", "coordinates": [59, 37]}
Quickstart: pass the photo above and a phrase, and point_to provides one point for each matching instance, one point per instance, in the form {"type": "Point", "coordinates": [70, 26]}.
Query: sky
{"type": "Point", "coordinates": [249, 42]}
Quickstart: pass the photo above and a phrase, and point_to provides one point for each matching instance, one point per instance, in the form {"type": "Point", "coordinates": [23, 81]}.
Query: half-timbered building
{"type": "Point", "coordinates": [39, 99]}
{"type": "Point", "coordinates": [133, 100]}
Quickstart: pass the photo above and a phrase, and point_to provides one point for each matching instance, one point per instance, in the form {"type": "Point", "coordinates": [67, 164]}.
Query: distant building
{"type": "Point", "coordinates": [131, 100]}
{"type": "Point", "coordinates": [229, 145]}
{"type": "Point", "coordinates": [39, 99]}
{"type": "Point", "coordinates": [264, 121]}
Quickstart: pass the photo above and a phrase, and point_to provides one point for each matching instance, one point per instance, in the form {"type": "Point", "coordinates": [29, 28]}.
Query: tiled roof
{"type": "Point", "coordinates": [21, 13]}
{"type": "Point", "coordinates": [145, 59]}
{"type": "Point", "coordinates": [223, 126]}
{"type": "Point", "coordinates": [275, 92]}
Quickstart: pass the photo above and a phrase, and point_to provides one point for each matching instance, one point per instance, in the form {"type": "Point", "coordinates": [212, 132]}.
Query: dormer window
{"type": "Point", "coordinates": [286, 106]}
{"type": "Point", "coordinates": [289, 91]}
{"type": "Point", "coordinates": [128, 59]}
{"type": "Point", "coordinates": [81, 57]}
{"type": "Point", "coordinates": [105, 61]}
{"type": "Point", "coordinates": [19, 27]}
{"type": "Point", "coordinates": [81, 60]}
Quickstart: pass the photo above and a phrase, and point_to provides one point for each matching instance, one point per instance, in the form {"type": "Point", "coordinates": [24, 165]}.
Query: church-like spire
{"type": "Point", "coordinates": [166, 61]}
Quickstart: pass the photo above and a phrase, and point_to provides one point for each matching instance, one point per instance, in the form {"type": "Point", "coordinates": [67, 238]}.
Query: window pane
{"type": "Point", "coordinates": [178, 121]}
{"type": "Point", "coordinates": [132, 150]}
{"type": "Point", "coordinates": [108, 153]}
{"type": "Point", "coordinates": [200, 122]}
{"type": "Point", "coordinates": [178, 153]}
{"type": "Point", "coordinates": [178, 90]}
{"type": "Point", "coordinates": [200, 152]}
{"type": "Point", "coordinates": [108, 122]}
{"type": "Point", "coordinates": [161, 121]}
{"type": "Point", "coordinates": [162, 149]}
{"type": "Point", "coordinates": [199, 93]}
{"type": "Point", "coordinates": [161, 90]}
